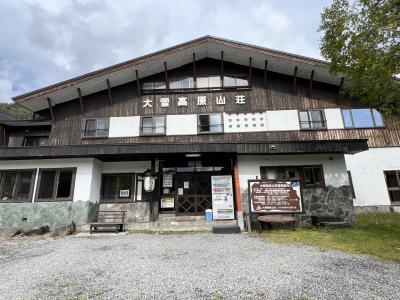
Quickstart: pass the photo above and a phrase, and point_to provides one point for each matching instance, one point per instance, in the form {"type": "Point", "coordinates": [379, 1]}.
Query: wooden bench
{"type": "Point", "coordinates": [275, 219]}
{"type": "Point", "coordinates": [109, 219]}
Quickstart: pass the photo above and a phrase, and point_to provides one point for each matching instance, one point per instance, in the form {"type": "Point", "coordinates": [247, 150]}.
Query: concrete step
{"type": "Point", "coordinates": [225, 229]}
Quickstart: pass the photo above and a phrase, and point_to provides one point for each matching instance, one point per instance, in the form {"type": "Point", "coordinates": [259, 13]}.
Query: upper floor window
{"type": "Point", "coordinates": [16, 185]}
{"type": "Point", "coordinates": [181, 83]}
{"type": "Point", "coordinates": [56, 184]}
{"type": "Point", "coordinates": [208, 82]}
{"type": "Point", "coordinates": [211, 123]}
{"type": "Point", "coordinates": [96, 127]}
{"type": "Point", "coordinates": [236, 81]}
{"type": "Point", "coordinates": [152, 125]}
{"type": "Point", "coordinates": [362, 118]}
{"type": "Point", "coordinates": [35, 141]}
{"type": "Point", "coordinates": [154, 85]}
{"type": "Point", "coordinates": [312, 119]}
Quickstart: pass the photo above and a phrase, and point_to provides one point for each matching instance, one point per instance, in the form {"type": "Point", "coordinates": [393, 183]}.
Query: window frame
{"type": "Point", "coordinates": [152, 117]}
{"type": "Point", "coordinates": [132, 197]}
{"type": "Point", "coordinates": [17, 181]}
{"type": "Point", "coordinates": [210, 132]}
{"type": "Point", "coordinates": [84, 136]}
{"type": "Point", "coordinates": [56, 181]}
{"type": "Point", "coordinates": [352, 119]}
{"type": "Point", "coordinates": [389, 189]}
{"type": "Point", "coordinates": [310, 121]}
{"type": "Point", "coordinates": [300, 171]}
{"type": "Point", "coordinates": [35, 136]}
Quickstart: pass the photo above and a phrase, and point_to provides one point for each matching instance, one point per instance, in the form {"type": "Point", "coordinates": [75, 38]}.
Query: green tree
{"type": "Point", "coordinates": [362, 41]}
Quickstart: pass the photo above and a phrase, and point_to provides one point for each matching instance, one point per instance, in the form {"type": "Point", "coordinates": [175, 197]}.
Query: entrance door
{"type": "Point", "coordinates": [193, 193]}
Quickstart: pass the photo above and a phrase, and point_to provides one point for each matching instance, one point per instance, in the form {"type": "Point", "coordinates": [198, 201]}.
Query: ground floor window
{"type": "Point", "coordinates": [16, 185]}
{"type": "Point", "coordinates": [393, 185]}
{"type": "Point", "coordinates": [309, 176]}
{"type": "Point", "coordinates": [56, 184]}
{"type": "Point", "coordinates": [117, 187]}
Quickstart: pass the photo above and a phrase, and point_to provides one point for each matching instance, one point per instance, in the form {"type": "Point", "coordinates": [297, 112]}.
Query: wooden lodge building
{"type": "Point", "coordinates": [208, 107]}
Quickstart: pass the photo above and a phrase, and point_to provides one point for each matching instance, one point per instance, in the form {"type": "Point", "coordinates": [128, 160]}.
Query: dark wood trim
{"type": "Point", "coordinates": [166, 75]}
{"type": "Point", "coordinates": [222, 69]}
{"type": "Point", "coordinates": [250, 67]}
{"type": "Point", "coordinates": [311, 84]}
{"type": "Point", "coordinates": [53, 120]}
{"type": "Point", "coordinates": [194, 71]}
{"type": "Point", "coordinates": [351, 184]}
{"type": "Point", "coordinates": [110, 100]}
{"type": "Point", "coordinates": [265, 73]}
{"type": "Point", "coordinates": [294, 91]}
{"type": "Point", "coordinates": [56, 181]}
{"type": "Point", "coordinates": [81, 101]}
{"type": "Point", "coordinates": [138, 82]}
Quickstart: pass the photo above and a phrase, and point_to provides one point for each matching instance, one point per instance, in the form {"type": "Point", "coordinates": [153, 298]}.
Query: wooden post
{"type": "Point", "coordinates": [265, 73]}
{"type": "Point", "coordinates": [137, 82]}
{"type": "Point", "coordinates": [166, 75]}
{"type": "Point", "coordinates": [250, 71]}
{"type": "Point", "coordinates": [341, 87]}
{"type": "Point", "coordinates": [53, 120]}
{"type": "Point", "coordinates": [109, 92]}
{"type": "Point", "coordinates": [294, 81]}
{"type": "Point", "coordinates": [81, 101]}
{"type": "Point", "coordinates": [311, 84]}
{"type": "Point", "coordinates": [222, 69]}
{"type": "Point", "coordinates": [194, 71]}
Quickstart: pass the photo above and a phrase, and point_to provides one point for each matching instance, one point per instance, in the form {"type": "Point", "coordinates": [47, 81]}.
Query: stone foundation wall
{"type": "Point", "coordinates": [137, 212]}
{"type": "Point", "coordinates": [50, 213]}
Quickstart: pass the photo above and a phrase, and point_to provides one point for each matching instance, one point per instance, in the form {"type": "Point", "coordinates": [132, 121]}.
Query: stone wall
{"type": "Point", "coordinates": [50, 213]}
{"type": "Point", "coordinates": [136, 212]}
{"type": "Point", "coordinates": [328, 201]}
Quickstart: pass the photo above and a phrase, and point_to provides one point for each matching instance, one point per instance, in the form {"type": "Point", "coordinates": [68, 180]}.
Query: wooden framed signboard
{"type": "Point", "coordinates": [275, 196]}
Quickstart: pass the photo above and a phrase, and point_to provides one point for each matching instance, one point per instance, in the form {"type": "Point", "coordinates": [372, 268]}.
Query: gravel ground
{"type": "Point", "coordinates": [205, 266]}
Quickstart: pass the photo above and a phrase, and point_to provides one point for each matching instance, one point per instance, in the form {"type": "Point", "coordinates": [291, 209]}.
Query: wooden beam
{"type": "Point", "coordinates": [109, 92]}
{"type": "Point", "coordinates": [250, 59]}
{"type": "Point", "coordinates": [311, 84]}
{"type": "Point", "coordinates": [194, 71]}
{"type": "Point", "coordinates": [137, 82]}
{"type": "Point", "coordinates": [81, 101]}
{"type": "Point", "coordinates": [341, 87]}
{"type": "Point", "coordinates": [51, 110]}
{"type": "Point", "coordinates": [222, 68]}
{"type": "Point", "coordinates": [166, 75]}
{"type": "Point", "coordinates": [294, 91]}
{"type": "Point", "coordinates": [265, 73]}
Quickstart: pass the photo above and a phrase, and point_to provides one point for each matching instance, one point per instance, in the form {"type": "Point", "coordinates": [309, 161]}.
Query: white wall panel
{"type": "Point", "coordinates": [124, 126]}
{"type": "Point", "coordinates": [283, 120]}
{"type": "Point", "coordinates": [245, 122]}
{"type": "Point", "coordinates": [181, 124]}
{"type": "Point", "coordinates": [126, 166]}
{"type": "Point", "coordinates": [367, 171]}
{"type": "Point", "coordinates": [333, 118]}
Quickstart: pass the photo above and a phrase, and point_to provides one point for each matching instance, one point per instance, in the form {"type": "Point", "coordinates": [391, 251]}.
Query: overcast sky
{"type": "Point", "coordinates": [44, 42]}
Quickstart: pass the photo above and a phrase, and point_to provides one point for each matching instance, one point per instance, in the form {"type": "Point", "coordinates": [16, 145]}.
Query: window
{"type": "Point", "coordinates": [181, 83]}
{"type": "Point", "coordinates": [312, 119]}
{"type": "Point", "coordinates": [362, 118]}
{"type": "Point", "coordinates": [210, 123]}
{"type": "Point", "coordinates": [117, 187]}
{"type": "Point", "coordinates": [235, 81]}
{"type": "Point", "coordinates": [309, 176]}
{"type": "Point", "coordinates": [154, 85]}
{"type": "Point", "coordinates": [16, 185]}
{"type": "Point", "coordinates": [153, 125]}
{"type": "Point", "coordinates": [96, 127]}
{"type": "Point", "coordinates": [393, 186]}
{"type": "Point", "coordinates": [56, 184]}
{"type": "Point", "coordinates": [208, 82]}
{"type": "Point", "coordinates": [30, 141]}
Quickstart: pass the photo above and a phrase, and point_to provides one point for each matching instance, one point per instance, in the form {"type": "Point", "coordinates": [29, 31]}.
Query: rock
{"type": "Point", "coordinates": [8, 232]}
{"type": "Point", "coordinates": [35, 229]}
{"type": "Point", "coordinates": [64, 229]}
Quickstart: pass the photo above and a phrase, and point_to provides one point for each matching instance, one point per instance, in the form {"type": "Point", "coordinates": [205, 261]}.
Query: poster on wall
{"type": "Point", "coordinates": [167, 202]}
{"type": "Point", "coordinates": [222, 197]}
{"type": "Point", "coordinates": [124, 193]}
{"type": "Point", "coordinates": [267, 196]}
{"type": "Point", "coordinates": [167, 180]}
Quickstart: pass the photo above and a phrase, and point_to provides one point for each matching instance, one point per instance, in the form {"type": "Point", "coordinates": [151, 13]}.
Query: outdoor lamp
{"type": "Point", "coordinates": [149, 181]}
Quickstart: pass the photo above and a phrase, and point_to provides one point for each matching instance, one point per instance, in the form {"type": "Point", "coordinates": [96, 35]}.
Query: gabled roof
{"type": "Point", "coordinates": [176, 56]}
{"type": "Point", "coordinates": [6, 116]}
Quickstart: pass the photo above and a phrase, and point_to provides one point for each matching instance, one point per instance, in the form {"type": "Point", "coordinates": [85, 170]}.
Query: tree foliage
{"type": "Point", "coordinates": [15, 110]}
{"type": "Point", "coordinates": [362, 41]}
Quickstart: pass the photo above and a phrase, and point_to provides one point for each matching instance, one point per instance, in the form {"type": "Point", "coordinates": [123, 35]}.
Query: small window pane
{"type": "Point", "coordinates": [362, 118]}
{"type": "Point", "coordinates": [394, 196]}
{"type": "Point", "coordinates": [391, 179]}
{"type": "Point", "coordinates": [159, 85]}
{"type": "Point", "coordinates": [204, 121]}
{"type": "Point", "coordinates": [378, 118]}
{"type": "Point", "coordinates": [242, 82]}
{"type": "Point", "coordinates": [148, 86]}
{"type": "Point", "coordinates": [102, 127]}
{"type": "Point", "coordinates": [214, 81]}
{"type": "Point", "coordinates": [24, 185]}
{"type": "Point", "coordinates": [304, 120]}
{"type": "Point", "coordinates": [187, 83]}
{"type": "Point", "coordinates": [202, 82]}
{"type": "Point", "coordinates": [308, 176]}
{"type": "Point", "coordinates": [64, 184]}
{"type": "Point", "coordinates": [215, 123]}
{"type": "Point", "coordinates": [47, 180]}
{"type": "Point", "coordinates": [124, 184]}
{"type": "Point", "coordinates": [229, 81]}
{"type": "Point", "coordinates": [109, 187]}
{"type": "Point", "coordinates": [90, 128]}
{"type": "Point", "coordinates": [317, 119]}
{"type": "Point", "coordinates": [347, 118]}
{"type": "Point", "coordinates": [8, 185]}
{"type": "Point", "coordinates": [175, 84]}
{"type": "Point", "coordinates": [158, 124]}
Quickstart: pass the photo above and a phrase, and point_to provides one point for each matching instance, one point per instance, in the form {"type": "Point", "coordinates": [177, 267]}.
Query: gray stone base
{"type": "Point", "coordinates": [137, 212]}
{"type": "Point", "coordinates": [49, 213]}
{"type": "Point", "coordinates": [376, 209]}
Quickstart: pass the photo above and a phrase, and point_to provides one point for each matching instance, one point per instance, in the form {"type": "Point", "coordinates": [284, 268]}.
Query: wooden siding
{"type": "Point", "coordinates": [278, 95]}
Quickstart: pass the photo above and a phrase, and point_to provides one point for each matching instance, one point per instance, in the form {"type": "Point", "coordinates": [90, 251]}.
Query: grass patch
{"type": "Point", "coordinates": [376, 234]}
